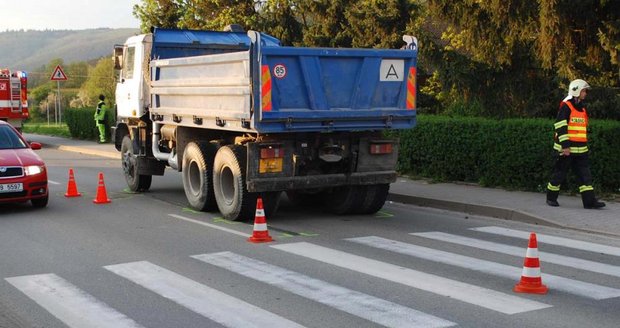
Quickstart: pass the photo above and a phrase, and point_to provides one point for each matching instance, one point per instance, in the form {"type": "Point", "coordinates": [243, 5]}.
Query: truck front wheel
{"type": "Point", "coordinates": [197, 175]}
{"type": "Point", "coordinates": [229, 186]}
{"type": "Point", "coordinates": [135, 181]}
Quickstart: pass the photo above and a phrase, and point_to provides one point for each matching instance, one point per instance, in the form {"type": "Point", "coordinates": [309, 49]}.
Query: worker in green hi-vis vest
{"type": "Point", "coordinates": [100, 118]}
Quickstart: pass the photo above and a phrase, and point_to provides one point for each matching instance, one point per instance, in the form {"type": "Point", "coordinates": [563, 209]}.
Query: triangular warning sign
{"type": "Point", "coordinates": [58, 74]}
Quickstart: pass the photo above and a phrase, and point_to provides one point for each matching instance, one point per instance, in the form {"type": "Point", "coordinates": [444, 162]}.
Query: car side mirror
{"type": "Point", "coordinates": [35, 145]}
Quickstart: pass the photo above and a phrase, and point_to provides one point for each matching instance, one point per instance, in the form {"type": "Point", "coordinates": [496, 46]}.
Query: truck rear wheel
{"type": "Point", "coordinates": [372, 198]}
{"type": "Point", "coordinates": [344, 200]}
{"type": "Point", "coordinates": [229, 185]}
{"type": "Point", "coordinates": [197, 175]}
{"type": "Point", "coordinates": [271, 202]}
{"type": "Point", "coordinates": [135, 181]}
{"type": "Point", "coordinates": [312, 197]}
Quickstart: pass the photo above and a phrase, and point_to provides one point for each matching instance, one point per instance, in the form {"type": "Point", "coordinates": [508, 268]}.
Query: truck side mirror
{"type": "Point", "coordinates": [118, 57]}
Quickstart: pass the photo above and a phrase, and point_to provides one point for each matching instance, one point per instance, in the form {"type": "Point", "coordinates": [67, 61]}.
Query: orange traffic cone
{"type": "Point", "coordinates": [102, 195]}
{"type": "Point", "coordinates": [260, 234]}
{"type": "Point", "coordinates": [71, 186]}
{"type": "Point", "coordinates": [531, 282]}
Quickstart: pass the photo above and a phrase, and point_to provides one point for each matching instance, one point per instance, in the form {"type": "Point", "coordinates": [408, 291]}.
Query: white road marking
{"type": "Point", "coordinates": [53, 182]}
{"type": "Point", "coordinates": [213, 304]}
{"type": "Point", "coordinates": [553, 240]}
{"type": "Point", "coordinates": [572, 262]}
{"type": "Point", "coordinates": [571, 286]}
{"type": "Point", "coordinates": [365, 306]}
{"type": "Point", "coordinates": [468, 293]}
{"type": "Point", "coordinates": [68, 303]}
{"type": "Point", "coordinates": [214, 226]}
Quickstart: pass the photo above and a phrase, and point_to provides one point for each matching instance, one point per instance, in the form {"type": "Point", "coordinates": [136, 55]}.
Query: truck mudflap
{"type": "Point", "coordinates": [320, 181]}
{"type": "Point", "coordinates": [150, 166]}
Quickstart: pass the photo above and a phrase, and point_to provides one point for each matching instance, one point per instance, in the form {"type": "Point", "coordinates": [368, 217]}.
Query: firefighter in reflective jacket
{"type": "Point", "coordinates": [571, 142]}
{"type": "Point", "coordinates": [100, 118]}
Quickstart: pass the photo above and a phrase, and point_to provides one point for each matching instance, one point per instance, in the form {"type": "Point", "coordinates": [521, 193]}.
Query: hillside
{"type": "Point", "coordinates": [29, 50]}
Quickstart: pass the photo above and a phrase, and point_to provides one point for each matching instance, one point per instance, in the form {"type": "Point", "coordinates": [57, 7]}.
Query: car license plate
{"type": "Point", "coordinates": [11, 187]}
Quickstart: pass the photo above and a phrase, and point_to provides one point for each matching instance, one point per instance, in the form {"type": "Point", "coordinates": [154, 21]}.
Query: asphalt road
{"type": "Point", "coordinates": [148, 260]}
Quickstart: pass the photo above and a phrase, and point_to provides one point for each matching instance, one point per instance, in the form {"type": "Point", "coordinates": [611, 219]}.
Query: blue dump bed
{"type": "Point", "coordinates": [273, 89]}
{"type": "Point", "coordinates": [311, 89]}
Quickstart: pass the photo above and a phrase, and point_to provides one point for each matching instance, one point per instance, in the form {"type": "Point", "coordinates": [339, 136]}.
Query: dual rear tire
{"type": "Point", "coordinates": [215, 179]}
{"type": "Point", "coordinates": [367, 199]}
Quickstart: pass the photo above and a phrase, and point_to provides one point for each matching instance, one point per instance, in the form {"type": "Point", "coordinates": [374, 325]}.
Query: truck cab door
{"type": "Point", "coordinates": [129, 88]}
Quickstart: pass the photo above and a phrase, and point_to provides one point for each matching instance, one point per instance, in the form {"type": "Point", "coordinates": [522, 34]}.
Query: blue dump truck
{"type": "Point", "coordinates": [241, 116]}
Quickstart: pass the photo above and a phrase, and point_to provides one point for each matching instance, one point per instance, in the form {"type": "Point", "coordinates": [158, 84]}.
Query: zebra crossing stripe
{"type": "Point", "coordinates": [68, 303]}
{"type": "Point", "coordinates": [468, 293]}
{"type": "Point", "coordinates": [553, 240]}
{"type": "Point", "coordinates": [571, 286]}
{"type": "Point", "coordinates": [572, 262]}
{"type": "Point", "coordinates": [362, 305]}
{"type": "Point", "coordinates": [213, 226]}
{"type": "Point", "coordinates": [213, 304]}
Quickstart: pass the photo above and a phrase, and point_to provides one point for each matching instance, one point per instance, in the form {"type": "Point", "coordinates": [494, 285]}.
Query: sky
{"type": "Point", "coordinates": [67, 14]}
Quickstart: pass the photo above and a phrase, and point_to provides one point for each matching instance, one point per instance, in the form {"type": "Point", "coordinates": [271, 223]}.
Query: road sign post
{"type": "Point", "coordinates": [58, 75]}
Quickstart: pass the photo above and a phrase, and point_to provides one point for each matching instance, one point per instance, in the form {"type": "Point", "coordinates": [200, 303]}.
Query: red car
{"type": "Point", "coordinates": [23, 175]}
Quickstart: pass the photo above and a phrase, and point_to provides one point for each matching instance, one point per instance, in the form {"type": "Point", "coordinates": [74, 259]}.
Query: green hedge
{"type": "Point", "coordinates": [81, 123]}
{"type": "Point", "coordinates": [511, 153]}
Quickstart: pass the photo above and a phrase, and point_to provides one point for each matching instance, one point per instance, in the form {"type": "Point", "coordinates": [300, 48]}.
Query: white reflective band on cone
{"type": "Point", "coordinates": [532, 253]}
{"type": "Point", "coordinates": [260, 212]}
{"type": "Point", "coordinates": [260, 226]}
{"type": "Point", "coordinates": [531, 272]}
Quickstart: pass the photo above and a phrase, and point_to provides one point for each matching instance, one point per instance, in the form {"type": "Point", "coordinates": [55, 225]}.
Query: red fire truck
{"type": "Point", "coordinates": [13, 97]}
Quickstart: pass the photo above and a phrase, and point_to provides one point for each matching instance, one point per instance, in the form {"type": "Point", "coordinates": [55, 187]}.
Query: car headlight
{"type": "Point", "coordinates": [33, 169]}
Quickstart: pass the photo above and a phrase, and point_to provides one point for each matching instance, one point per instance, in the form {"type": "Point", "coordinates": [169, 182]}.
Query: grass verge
{"type": "Point", "coordinates": [60, 130]}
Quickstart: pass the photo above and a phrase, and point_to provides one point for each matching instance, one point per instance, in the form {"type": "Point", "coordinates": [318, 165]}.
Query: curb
{"type": "Point", "coordinates": [83, 150]}
{"type": "Point", "coordinates": [87, 151]}
{"type": "Point", "coordinates": [488, 211]}
{"type": "Point", "coordinates": [474, 209]}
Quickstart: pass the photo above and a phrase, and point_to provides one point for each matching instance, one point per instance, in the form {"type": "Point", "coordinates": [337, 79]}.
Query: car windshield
{"type": "Point", "coordinates": [9, 138]}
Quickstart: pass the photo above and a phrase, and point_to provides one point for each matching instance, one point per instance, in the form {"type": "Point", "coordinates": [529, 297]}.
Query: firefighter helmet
{"type": "Point", "coordinates": [575, 87]}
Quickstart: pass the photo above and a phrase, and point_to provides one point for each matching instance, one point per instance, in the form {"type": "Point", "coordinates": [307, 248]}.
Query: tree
{"type": "Point", "coordinates": [379, 23]}
{"type": "Point", "coordinates": [77, 73]}
{"type": "Point", "coordinates": [158, 13]}
{"type": "Point", "coordinates": [282, 19]}
{"type": "Point", "coordinates": [516, 57]}
{"type": "Point", "coordinates": [216, 14]}
{"type": "Point", "coordinates": [325, 23]}
{"type": "Point", "coordinates": [100, 81]}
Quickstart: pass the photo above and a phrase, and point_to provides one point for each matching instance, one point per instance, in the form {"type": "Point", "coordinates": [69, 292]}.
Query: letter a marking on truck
{"type": "Point", "coordinates": [266, 88]}
{"type": "Point", "coordinates": [392, 70]}
{"type": "Point", "coordinates": [392, 73]}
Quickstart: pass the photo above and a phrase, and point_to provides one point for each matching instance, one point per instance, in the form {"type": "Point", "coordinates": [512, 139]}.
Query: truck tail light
{"type": "Point", "coordinates": [271, 152]}
{"type": "Point", "coordinates": [380, 148]}
{"type": "Point", "coordinates": [271, 159]}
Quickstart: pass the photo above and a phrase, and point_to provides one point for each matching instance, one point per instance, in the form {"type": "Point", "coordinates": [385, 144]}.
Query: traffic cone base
{"type": "Point", "coordinates": [71, 186]}
{"type": "Point", "coordinates": [531, 281]}
{"type": "Point", "coordinates": [260, 233]}
{"type": "Point", "coordinates": [102, 195]}
{"type": "Point", "coordinates": [531, 289]}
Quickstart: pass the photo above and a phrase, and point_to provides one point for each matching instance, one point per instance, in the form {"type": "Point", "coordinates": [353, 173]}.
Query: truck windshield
{"type": "Point", "coordinates": [9, 139]}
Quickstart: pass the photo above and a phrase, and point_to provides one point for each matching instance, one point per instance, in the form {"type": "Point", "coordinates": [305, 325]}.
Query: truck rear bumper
{"type": "Point", "coordinates": [320, 181]}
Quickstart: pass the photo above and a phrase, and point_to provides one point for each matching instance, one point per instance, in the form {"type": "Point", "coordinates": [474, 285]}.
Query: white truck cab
{"type": "Point", "coordinates": [132, 89]}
